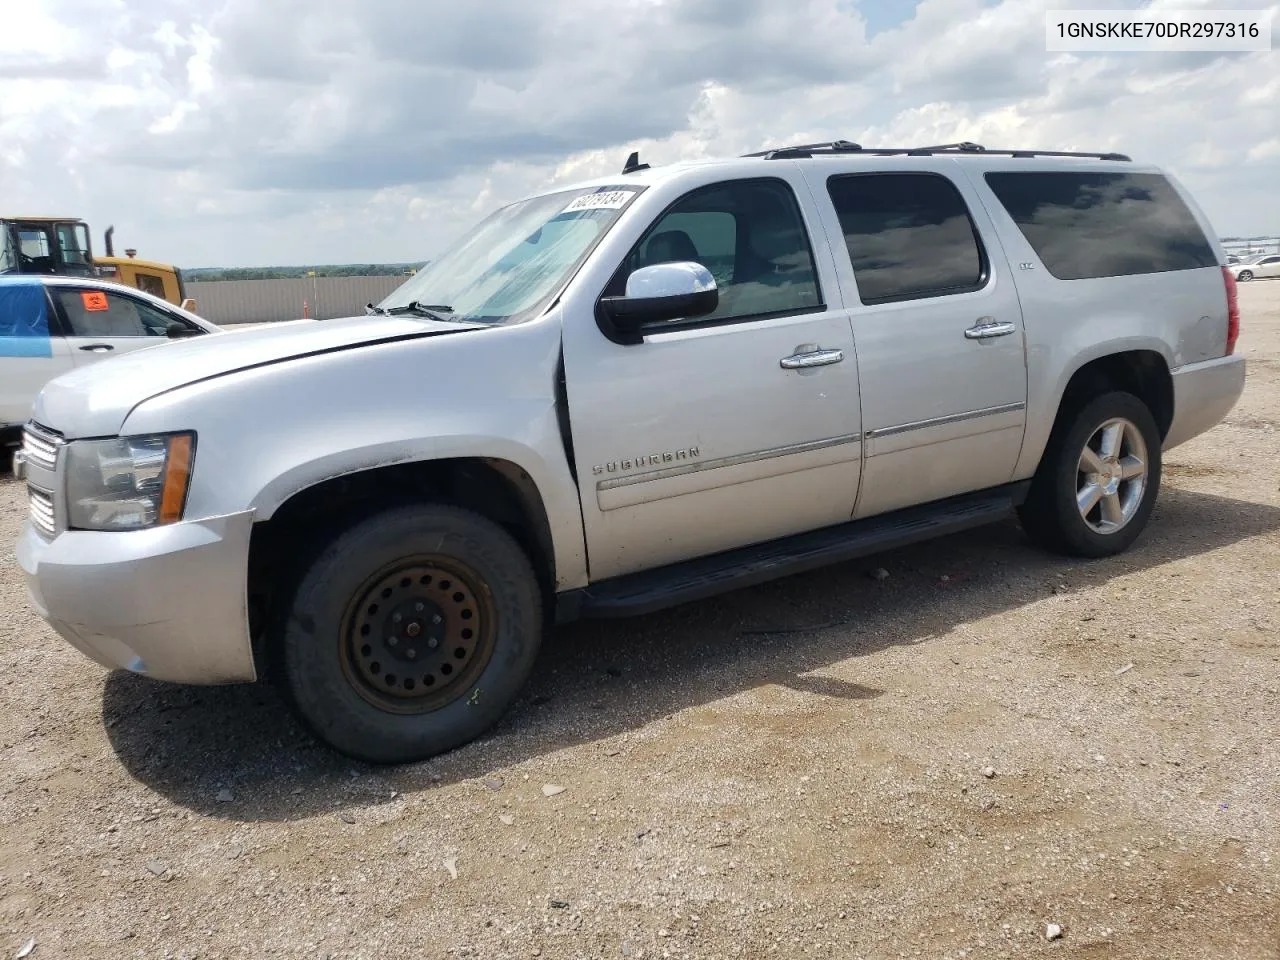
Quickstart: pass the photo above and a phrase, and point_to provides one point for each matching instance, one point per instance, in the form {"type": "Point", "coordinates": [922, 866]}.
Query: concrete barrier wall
{"type": "Point", "coordinates": [260, 301]}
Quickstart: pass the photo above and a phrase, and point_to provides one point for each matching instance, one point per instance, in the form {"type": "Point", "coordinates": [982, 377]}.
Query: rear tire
{"type": "Point", "coordinates": [1098, 481]}
{"type": "Point", "coordinates": [410, 633]}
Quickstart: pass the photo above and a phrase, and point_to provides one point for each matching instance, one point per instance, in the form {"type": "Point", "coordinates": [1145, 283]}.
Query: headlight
{"type": "Point", "coordinates": [128, 483]}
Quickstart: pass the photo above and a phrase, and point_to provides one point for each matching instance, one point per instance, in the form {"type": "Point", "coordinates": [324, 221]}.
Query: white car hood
{"type": "Point", "coordinates": [93, 401]}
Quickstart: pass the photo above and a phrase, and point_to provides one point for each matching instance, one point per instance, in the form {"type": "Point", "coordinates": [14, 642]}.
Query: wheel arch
{"type": "Point", "coordinates": [291, 533]}
{"type": "Point", "coordinates": [1139, 367]}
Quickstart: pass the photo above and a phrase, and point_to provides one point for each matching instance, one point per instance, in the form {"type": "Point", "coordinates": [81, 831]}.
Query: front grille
{"type": "Point", "coordinates": [40, 505]}
{"type": "Point", "coordinates": [40, 446]}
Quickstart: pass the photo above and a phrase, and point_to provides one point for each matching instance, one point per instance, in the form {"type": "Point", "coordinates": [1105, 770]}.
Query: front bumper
{"type": "Point", "coordinates": [1203, 394]}
{"type": "Point", "coordinates": [169, 602]}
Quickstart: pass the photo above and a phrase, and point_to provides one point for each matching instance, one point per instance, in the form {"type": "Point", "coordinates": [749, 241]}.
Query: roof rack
{"type": "Point", "coordinates": [838, 147]}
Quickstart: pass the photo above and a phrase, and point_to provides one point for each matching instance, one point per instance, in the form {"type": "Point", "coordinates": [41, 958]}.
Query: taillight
{"type": "Point", "coordinates": [1233, 310]}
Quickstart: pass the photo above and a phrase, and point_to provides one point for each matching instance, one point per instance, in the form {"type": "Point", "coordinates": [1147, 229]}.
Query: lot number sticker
{"type": "Point", "coordinates": [94, 300]}
{"type": "Point", "coordinates": [611, 200]}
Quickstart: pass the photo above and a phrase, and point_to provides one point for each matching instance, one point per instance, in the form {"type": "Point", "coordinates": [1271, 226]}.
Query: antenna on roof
{"type": "Point", "coordinates": [633, 163]}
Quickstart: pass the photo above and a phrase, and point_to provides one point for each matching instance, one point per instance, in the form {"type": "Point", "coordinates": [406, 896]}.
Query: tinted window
{"type": "Point", "coordinates": [909, 235]}
{"type": "Point", "coordinates": [749, 234]}
{"type": "Point", "coordinates": [101, 313]}
{"type": "Point", "coordinates": [1085, 225]}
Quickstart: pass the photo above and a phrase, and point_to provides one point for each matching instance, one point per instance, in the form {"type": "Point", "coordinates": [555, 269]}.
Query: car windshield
{"type": "Point", "coordinates": [510, 265]}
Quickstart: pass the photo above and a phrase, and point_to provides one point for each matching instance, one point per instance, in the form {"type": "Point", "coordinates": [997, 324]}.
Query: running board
{"type": "Point", "coordinates": [651, 590]}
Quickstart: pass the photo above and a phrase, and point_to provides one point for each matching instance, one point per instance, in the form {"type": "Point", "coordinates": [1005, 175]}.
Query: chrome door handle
{"type": "Point", "coordinates": [988, 328]}
{"type": "Point", "coordinates": [815, 358]}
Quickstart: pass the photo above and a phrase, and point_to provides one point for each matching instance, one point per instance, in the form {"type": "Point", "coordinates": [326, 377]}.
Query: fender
{"type": "Point", "coordinates": [562, 514]}
{"type": "Point", "coordinates": [277, 430]}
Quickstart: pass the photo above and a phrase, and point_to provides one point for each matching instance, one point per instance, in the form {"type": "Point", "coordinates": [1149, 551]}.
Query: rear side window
{"type": "Point", "coordinates": [1089, 225]}
{"type": "Point", "coordinates": [909, 236]}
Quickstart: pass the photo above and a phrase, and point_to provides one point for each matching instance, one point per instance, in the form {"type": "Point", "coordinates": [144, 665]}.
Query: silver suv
{"type": "Point", "coordinates": [622, 395]}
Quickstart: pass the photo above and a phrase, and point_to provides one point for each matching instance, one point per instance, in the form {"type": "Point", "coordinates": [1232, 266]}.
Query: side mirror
{"type": "Point", "coordinates": [659, 294]}
{"type": "Point", "coordinates": [177, 331]}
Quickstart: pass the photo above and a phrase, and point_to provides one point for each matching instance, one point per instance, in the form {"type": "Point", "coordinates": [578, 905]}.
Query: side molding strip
{"type": "Point", "coordinates": [701, 465]}
{"type": "Point", "coordinates": [950, 418]}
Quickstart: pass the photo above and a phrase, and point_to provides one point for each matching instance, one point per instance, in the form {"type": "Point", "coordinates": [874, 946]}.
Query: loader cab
{"type": "Point", "coordinates": [45, 245]}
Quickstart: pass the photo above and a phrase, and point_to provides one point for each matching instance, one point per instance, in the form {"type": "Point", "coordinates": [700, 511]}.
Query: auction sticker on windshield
{"type": "Point", "coordinates": [611, 200]}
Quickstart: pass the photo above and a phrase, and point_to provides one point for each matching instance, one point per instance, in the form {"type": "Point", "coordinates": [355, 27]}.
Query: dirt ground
{"type": "Point", "coordinates": [794, 770]}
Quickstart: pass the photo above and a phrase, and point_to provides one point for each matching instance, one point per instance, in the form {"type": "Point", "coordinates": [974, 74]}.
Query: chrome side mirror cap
{"type": "Point", "coordinates": [662, 293]}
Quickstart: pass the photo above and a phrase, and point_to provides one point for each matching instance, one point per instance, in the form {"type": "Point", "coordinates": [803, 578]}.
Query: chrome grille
{"type": "Point", "coordinates": [40, 446]}
{"type": "Point", "coordinates": [40, 505]}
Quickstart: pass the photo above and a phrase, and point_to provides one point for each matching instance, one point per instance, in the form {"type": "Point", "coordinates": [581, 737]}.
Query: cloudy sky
{"type": "Point", "coordinates": [257, 132]}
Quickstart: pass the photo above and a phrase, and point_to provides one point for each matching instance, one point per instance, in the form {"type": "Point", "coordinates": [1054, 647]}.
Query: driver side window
{"type": "Point", "coordinates": [749, 235]}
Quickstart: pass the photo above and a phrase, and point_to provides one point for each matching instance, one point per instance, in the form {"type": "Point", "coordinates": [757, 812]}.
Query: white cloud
{"type": "Point", "coordinates": [240, 132]}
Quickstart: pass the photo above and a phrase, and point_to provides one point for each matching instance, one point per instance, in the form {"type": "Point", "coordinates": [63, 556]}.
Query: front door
{"type": "Point", "coordinates": [106, 323]}
{"type": "Point", "coordinates": [939, 333]}
{"type": "Point", "coordinates": [708, 435]}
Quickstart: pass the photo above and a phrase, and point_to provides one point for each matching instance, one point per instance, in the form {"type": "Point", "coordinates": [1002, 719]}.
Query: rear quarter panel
{"type": "Point", "coordinates": [1180, 314]}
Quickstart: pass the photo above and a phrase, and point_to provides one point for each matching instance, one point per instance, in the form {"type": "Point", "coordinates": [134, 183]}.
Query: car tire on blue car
{"type": "Point", "coordinates": [410, 633]}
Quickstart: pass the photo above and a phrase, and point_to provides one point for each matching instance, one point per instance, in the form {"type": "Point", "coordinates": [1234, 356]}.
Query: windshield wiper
{"type": "Point", "coordinates": [431, 311]}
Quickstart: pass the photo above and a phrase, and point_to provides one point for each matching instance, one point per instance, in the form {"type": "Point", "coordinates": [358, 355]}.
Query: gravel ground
{"type": "Point", "coordinates": [938, 763]}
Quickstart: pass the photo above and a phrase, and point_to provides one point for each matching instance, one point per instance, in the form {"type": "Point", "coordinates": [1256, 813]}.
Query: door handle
{"type": "Point", "coordinates": [987, 328]}
{"type": "Point", "coordinates": [814, 358]}
{"type": "Point", "coordinates": [97, 347]}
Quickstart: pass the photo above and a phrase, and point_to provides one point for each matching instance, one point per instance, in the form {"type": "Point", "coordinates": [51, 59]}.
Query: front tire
{"type": "Point", "coordinates": [1245, 276]}
{"type": "Point", "coordinates": [410, 633]}
{"type": "Point", "coordinates": [1098, 481]}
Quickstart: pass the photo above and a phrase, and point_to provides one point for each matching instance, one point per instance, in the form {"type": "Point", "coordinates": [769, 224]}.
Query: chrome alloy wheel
{"type": "Point", "coordinates": [1111, 476]}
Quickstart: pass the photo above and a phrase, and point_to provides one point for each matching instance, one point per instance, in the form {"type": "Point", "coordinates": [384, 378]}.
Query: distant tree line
{"type": "Point", "coordinates": [289, 273]}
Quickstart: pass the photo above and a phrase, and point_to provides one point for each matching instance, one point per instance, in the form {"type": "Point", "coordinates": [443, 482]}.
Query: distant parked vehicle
{"type": "Point", "coordinates": [1265, 267]}
{"type": "Point", "coordinates": [52, 324]}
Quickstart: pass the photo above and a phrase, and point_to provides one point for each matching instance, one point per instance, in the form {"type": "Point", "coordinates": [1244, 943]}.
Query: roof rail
{"type": "Point", "coordinates": [808, 149]}
{"type": "Point", "coordinates": [838, 147]}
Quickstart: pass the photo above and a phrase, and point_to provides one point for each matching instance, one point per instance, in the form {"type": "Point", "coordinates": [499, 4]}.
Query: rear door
{"type": "Point", "coordinates": [103, 323]}
{"type": "Point", "coordinates": [938, 329]}
{"type": "Point", "coordinates": [31, 352]}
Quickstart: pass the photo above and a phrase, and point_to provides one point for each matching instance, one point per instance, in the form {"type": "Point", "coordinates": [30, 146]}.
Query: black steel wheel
{"type": "Point", "coordinates": [418, 632]}
{"type": "Point", "coordinates": [410, 633]}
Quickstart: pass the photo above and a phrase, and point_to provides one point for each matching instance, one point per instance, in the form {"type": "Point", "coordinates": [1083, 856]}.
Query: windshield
{"type": "Point", "coordinates": [510, 265]}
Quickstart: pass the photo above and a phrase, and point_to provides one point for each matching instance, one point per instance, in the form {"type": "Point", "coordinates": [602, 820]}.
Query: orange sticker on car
{"type": "Point", "coordinates": [94, 300]}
